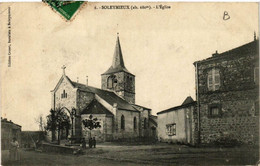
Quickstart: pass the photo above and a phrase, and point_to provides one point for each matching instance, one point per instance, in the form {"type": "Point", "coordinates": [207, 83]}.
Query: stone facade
{"type": "Point", "coordinates": [124, 85]}
{"type": "Point", "coordinates": [230, 110]}
{"type": "Point", "coordinates": [128, 131]}
{"type": "Point", "coordinates": [104, 133]}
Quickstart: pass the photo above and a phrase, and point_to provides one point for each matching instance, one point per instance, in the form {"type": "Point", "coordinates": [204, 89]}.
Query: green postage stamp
{"type": "Point", "coordinates": [67, 9]}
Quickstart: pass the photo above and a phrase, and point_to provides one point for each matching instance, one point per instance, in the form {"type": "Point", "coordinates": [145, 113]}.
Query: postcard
{"type": "Point", "coordinates": [129, 83]}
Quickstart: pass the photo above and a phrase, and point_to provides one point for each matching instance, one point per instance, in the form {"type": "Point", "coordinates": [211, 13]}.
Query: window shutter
{"type": "Point", "coordinates": [210, 80]}
{"type": "Point", "coordinates": [216, 79]}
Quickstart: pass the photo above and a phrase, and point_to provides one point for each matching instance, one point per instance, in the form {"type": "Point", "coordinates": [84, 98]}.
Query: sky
{"type": "Point", "coordinates": [159, 47]}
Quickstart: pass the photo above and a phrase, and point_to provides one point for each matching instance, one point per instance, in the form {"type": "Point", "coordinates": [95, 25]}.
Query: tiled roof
{"type": "Point", "coordinates": [238, 51]}
{"type": "Point", "coordinates": [184, 105]}
{"type": "Point", "coordinates": [4, 120]}
{"type": "Point", "coordinates": [118, 61]}
{"type": "Point", "coordinates": [95, 107]}
{"type": "Point", "coordinates": [109, 96]}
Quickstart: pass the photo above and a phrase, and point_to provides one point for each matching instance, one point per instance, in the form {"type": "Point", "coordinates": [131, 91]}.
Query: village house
{"type": "Point", "coordinates": [227, 106]}
{"type": "Point", "coordinates": [228, 95]}
{"type": "Point", "coordinates": [9, 130]}
{"type": "Point", "coordinates": [179, 124]}
{"type": "Point", "coordinates": [113, 105]}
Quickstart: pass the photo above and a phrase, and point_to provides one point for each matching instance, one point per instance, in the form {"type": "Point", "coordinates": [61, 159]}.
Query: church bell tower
{"type": "Point", "coordinates": [117, 78]}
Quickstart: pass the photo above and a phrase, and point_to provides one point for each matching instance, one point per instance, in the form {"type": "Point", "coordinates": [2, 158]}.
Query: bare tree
{"type": "Point", "coordinates": [41, 122]}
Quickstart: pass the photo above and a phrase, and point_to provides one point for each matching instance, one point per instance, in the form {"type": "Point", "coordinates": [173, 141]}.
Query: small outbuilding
{"type": "Point", "coordinates": [179, 124]}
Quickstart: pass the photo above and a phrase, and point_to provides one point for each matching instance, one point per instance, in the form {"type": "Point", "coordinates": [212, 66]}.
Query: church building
{"type": "Point", "coordinates": [113, 105]}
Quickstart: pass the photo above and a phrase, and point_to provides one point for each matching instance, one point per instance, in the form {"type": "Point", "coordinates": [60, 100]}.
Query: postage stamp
{"type": "Point", "coordinates": [67, 9]}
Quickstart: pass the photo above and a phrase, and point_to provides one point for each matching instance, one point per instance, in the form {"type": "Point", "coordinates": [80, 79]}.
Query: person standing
{"type": "Point", "coordinates": [13, 151]}
{"type": "Point", "coordinates": [90, 142]}
{"type": "Point", "coordinates": [84, 143]}
{"type": "Point", "coordinates": [94, 142]}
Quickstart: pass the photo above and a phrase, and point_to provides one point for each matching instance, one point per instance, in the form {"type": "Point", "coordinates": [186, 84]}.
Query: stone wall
{"type": "Point", "coordinates": [70, 101]}
{"type": "Point", "coordinates": [129, 131]}
{"type": "Point", "coordinates": [237, 97]}
{"type": "Point", "coordinates": [83, 99]}
{"type": "Point", "coordinates": [125, 87]}
{"type": "Point", "coordinates": [104, 133]}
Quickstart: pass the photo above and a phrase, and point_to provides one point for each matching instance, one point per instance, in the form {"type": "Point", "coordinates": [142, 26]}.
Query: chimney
{"type": "Point", "coordinates": [87, 80]}
{"type": "Point", "coordinates": [215, 54]}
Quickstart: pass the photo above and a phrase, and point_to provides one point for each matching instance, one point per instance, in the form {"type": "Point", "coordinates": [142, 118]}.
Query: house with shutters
{"type": "Point", "coordinates": [227, 93]}
{"type": "Point", "coordinates": [227, 101]}
{"type": "Point", "coordinates": [113, 104]}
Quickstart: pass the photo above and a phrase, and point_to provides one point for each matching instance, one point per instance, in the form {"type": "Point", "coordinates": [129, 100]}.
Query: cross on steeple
{"type": "Point", "coordinates": [63, 68]}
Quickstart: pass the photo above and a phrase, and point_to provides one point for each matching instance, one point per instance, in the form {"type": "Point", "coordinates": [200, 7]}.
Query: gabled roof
{"type": "Point", "coordinates": [118, 61]}
{"type": "Point", "coordinates": [184, 105]}
{"type": "Point", "coordinates": [60, 81]}
{"type": "Point", "coordinates": [109, 96]}
{"type": "Point", "coordinates": [95, 107]}
{"type": "Point", "coordinates": [188, 100]}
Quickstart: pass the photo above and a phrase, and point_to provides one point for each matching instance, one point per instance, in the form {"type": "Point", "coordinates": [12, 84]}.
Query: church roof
{"type": "Point", "coordinates": [95, 107]}
{"type": "Point", "coordinates": [118, 61]}
{"type": "Point", "coordinates": [109, 96]}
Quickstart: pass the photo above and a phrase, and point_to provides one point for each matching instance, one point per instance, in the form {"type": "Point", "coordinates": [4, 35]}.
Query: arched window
{"type": "Point", "coordinates": [135, 124]}
{"type": "Point", "coordinates": [110, 82]}
{"type": "Point", "coordinates": [145, 123]}
{"type": "Point", "coordinates": [213, 79]}
{"type": "Point", "coordinates": [122, 122]}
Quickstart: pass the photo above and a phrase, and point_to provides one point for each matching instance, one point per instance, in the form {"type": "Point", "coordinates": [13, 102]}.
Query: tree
{"type": "Point", "coordinates": [91, 123]}
{"type": "Point", "coordinates": [56, 121]}
{"type": "Point", "coordinates": [41, 122]}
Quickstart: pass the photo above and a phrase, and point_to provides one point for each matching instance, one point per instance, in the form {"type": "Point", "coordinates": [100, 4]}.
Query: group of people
{"type": "Point", "coordinates": [91, 142]}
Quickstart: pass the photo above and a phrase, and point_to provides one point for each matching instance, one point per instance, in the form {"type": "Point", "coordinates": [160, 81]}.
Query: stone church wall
{"type": "Point", "coordinates": [70, 101]}
{"type": "Point", "coordinates": [125, 88]}
{"type": "Point", "coordinates": [104, 133]}
{"type": "Point", "coordinates": [129, 131]}
{"type": "Point", "coordinates": [237, 98]}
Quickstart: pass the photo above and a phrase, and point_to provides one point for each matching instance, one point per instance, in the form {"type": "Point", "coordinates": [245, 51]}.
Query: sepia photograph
{"type": "Point", "coordinates": [129, 83]}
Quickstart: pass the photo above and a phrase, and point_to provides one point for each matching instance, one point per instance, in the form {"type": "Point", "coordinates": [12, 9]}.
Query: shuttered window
{"type": "Point", "coordinates": [213, 79]}
{"type": "Point", "coordinates": [171, 129]}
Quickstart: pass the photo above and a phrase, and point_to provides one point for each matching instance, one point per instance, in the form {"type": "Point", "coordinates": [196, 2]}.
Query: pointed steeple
{"type": "Point", "coordinates": [118, 61]}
